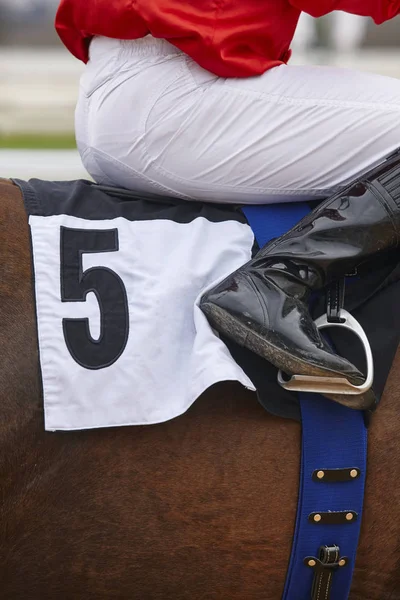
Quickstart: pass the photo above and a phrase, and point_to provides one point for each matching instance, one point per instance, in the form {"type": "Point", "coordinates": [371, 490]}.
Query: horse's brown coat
{"type": "Point", "coordinates": [199, 508]}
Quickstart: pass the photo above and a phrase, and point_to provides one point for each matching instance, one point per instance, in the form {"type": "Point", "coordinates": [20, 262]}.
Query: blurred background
{"type": "Point", "coordinates": [39, 79]}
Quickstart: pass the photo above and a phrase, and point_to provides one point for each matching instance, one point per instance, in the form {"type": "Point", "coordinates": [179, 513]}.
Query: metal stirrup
{"type": "Point", "coordinates": [336, 316]}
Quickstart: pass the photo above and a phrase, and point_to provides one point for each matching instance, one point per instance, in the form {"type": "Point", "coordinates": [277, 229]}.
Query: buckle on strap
{"type": "Point", "coordinates": [324, 566]}
{"type": "Point", "coordinates": [335, 301]}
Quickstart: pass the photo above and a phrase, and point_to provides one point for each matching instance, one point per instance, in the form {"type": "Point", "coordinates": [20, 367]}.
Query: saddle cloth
{"type": "Point", "coordinates": [118, 278]}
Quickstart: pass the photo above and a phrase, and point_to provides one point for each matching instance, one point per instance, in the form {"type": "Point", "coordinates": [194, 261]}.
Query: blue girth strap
{"type": "Point", "coordinates": [333, 437]}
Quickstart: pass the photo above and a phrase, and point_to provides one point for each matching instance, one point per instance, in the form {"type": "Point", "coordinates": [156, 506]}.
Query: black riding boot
{"type": "Point", "coordinates": [263, 305]}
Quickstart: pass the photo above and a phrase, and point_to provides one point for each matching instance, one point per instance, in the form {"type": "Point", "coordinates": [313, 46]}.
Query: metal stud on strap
{"type": "Point", "coordinates": [336, 475]}
{"type": "Point", "coordinates": [333, 517]}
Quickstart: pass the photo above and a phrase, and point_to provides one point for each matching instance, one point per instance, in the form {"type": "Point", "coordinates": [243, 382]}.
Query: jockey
{"type": "Point", "coordinates": [194, 99]}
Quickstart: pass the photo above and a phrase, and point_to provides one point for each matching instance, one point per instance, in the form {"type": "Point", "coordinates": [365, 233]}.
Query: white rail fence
{"type": "Point", "coordinates": [38, 92]}
{"type": "Point", "coordinates": [38, 89]}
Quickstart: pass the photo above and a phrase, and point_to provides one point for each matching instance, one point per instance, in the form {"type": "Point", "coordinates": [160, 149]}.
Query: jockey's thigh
{"type": "Point", "coordinates": [149, 118]}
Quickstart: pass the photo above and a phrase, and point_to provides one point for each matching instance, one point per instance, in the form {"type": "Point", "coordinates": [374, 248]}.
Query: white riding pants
{"type": "Point", "coordinates": [149, 118]}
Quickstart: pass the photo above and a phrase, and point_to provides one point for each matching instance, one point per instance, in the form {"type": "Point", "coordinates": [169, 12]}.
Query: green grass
{"type": "Point", "coordinates": [38, 142]}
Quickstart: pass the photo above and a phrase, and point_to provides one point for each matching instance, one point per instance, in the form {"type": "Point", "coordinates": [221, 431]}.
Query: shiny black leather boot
{"type": "Point", "coordinates": [263, 306]}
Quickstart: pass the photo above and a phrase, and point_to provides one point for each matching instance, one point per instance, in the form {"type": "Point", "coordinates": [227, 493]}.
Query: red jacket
{"type": "Point", "coordinates": [231, 38]}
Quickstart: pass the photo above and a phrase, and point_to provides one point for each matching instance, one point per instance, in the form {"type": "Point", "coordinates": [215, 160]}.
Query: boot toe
{"type": "Point", "coordinates": [316, 351]}
{"type": "Point", "coordinates": [257, 314]}
{"type": "Point", "coordinates": [346, 369]}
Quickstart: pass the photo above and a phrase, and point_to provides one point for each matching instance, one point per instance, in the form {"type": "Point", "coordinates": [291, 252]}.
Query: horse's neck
{"type": "Point", "coordinates": [19, 377]}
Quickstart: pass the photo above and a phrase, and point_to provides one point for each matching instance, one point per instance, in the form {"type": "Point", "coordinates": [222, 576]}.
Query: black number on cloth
{"type": "Point", "coordinates": [110, 293]}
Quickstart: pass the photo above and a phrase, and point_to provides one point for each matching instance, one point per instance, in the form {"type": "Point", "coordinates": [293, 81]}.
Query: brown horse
{"type": "Point", "coordinates": [201, 507]}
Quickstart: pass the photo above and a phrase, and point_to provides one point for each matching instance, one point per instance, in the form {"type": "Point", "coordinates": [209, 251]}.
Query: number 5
{"type": "Point", "coordinates": [110, 293]}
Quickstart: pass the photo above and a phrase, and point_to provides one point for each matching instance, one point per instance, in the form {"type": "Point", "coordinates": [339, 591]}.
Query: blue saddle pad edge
{"type": "Point", "coordinates": [333, 437]}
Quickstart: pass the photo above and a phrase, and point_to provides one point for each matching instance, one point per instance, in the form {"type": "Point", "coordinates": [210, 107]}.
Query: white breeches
{"type": "Point", "coordinates": [149, 118]}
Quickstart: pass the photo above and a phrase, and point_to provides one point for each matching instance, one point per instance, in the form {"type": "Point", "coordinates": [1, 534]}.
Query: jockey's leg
{"type": "Point", "coordinates": [149, 118]}
{"type": "Point", "coordinates": [264, 305]}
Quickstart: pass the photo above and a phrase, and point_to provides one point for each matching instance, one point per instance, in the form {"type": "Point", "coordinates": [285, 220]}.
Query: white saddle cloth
{"type": "Point", "coordinates": [172, 355]}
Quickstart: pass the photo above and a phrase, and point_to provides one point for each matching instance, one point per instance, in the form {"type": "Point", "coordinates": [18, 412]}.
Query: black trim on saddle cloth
{"type": "Point", "coordinates": [372, 295]}
{"type": "Point", "coordinates": [85, 200]}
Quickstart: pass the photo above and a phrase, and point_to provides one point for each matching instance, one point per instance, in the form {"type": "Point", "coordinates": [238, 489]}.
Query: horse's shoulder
{"type": "Point", "coordinates": [9, 191]}
{"type": "Point", "coordinates": [7, 182]}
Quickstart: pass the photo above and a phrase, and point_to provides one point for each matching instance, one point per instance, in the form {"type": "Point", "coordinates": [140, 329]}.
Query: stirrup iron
{"type": "Point", "coordinates": [334, 385]}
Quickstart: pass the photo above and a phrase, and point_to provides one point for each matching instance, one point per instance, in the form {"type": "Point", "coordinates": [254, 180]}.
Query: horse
{"type": "Point", "coordinates": [201, 507]}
